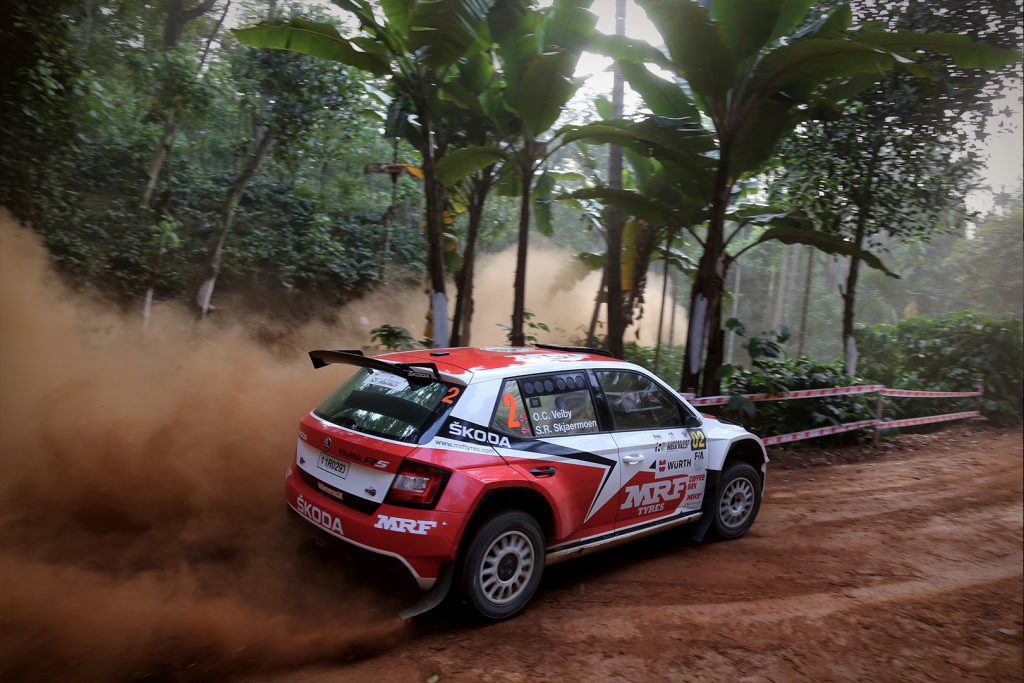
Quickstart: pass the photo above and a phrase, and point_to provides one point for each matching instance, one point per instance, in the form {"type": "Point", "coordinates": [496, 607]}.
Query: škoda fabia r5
{"type": "Point", "coordinates": [479, 466]}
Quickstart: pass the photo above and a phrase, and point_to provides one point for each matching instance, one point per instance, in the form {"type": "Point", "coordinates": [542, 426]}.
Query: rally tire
{"type": "Point", "coordinates": [502, 565]}
{"type": "Point", "coordinates": [736, 501]}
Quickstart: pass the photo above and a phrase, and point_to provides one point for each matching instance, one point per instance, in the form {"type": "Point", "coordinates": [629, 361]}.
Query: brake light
{"type": "Point", "coordinates": [417, 485]}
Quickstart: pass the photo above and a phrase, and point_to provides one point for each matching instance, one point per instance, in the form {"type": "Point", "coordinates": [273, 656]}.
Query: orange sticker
{"type": "Point", "coordinates": [510, 401]}
{"type": "Point", "coordinates": [453, 392]}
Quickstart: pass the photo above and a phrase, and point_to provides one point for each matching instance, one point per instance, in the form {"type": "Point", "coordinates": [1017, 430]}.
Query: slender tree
{"type": "Point", "coordinates": [419, 44]}
{"type": "Point", "coordinates": [901, 157]}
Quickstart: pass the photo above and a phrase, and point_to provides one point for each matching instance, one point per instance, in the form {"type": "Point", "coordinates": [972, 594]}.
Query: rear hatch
{"type": "Point", "coordinates": [352, 445]}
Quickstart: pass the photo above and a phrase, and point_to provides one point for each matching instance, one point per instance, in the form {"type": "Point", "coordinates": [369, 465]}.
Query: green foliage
{"type": "Point", "coordinates": [530, 324]}
{"type": "Point", "coordinates": [988, 267]}
{"type": "Point", "coordinates": [393, 337]}
{"type": "Point", "coordinates": [946, 354]}
{"type": "Point", "coordinates": [950, 353]}
{"type": "Point", "coordinates": [779, 374]}
{"type": "Point", "coordinates": [45, 103]}
{"type": "Point", "coordinates": [670, 360]}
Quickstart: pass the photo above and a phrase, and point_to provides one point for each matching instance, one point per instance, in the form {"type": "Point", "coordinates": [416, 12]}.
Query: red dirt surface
{"type": "Point", "coordinates": [905, 565]}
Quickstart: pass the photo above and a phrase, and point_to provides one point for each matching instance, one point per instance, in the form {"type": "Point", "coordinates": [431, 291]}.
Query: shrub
{"type": "Point", "coordinates": [777, 375]}
{"type": "Point", "coordinates": [950, 353]}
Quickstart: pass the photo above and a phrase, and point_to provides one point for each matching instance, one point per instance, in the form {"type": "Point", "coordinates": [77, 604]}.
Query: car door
{"type": "Point", "coordinates": [662, 449]}
{"type": "Point", "coordinates": [557, 444]}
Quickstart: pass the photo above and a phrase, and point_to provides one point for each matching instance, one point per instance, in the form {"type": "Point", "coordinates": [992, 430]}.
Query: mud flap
{"type": "Point", "coordinates": [707, 508]}
{"type": "Point", "coordinates": [433, 597]}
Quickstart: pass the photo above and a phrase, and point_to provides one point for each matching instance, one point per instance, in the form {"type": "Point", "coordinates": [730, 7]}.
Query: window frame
{"type": "Point", "coordinates": [685, 412]}
{"type": "Point", "coordinates": [423, 433]}
{"type": "Point", "coordinates": [602, 408]}
{"type": "Point", "coordinates": [599, 412]}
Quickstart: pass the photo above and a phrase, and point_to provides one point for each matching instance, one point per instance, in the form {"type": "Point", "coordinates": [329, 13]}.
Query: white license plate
{"type": "Point", "coordinates": [338, 468]}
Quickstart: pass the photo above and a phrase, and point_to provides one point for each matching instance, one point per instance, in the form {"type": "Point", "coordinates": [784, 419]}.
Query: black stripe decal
{"type": "Point", "coordinates": [470, 432]}
{"type": "Point", "coordinates": [607, 536]}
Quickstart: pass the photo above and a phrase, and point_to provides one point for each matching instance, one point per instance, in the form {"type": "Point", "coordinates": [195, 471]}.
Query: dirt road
{"type": "Point", "coordinates": [906, 566]}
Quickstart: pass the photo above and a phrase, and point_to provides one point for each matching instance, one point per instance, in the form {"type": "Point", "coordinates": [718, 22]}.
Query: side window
{"type": "Point", "coordinates": [638, 403]}
{"type": "Point", "coordinates": [559, 405]}
{"type": "Point", "coordinates": [510, 415]}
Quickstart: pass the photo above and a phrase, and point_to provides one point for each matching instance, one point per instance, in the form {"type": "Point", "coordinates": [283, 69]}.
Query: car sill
{"type": "Point", "coordinates": [560, 555]}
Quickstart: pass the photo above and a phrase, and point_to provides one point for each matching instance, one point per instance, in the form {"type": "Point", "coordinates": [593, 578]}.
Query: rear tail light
{"type": "Point", "coordinates": [417, 485]}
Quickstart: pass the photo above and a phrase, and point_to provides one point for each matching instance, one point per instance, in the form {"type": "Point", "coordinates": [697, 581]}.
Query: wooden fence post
{"type": "Point", "coordinates": [879, 409]}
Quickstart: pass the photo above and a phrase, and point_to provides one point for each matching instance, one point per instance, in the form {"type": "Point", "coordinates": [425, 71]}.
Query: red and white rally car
{"type": "Point", "coordinates": [483, 465]}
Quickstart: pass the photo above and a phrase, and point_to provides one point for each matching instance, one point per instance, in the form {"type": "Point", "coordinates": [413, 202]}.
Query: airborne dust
{"type": "Point", "coordinates": [142, 520]}
{"type": "Point", "coordinates": [143, 532]}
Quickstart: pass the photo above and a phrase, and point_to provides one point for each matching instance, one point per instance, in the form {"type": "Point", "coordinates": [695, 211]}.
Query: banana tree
{"type": "Point", "coordinates": [538, 50]}
{"type": "Point", "coordinates": [418, 43]}
{"type": "Point", "coordinates": [753, 78]}
{"type": "Point", "coordinates": [477, 82]}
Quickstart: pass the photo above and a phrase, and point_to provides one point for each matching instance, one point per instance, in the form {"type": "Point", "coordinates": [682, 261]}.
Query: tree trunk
{"type": "Point", "coordinates": [592, 330]}
{"type": "Point", "coordinates": [518, 337]}
{"type": "Point", "coordinates": [863, 198]}
{"type": "Point", "coordinates": [735, 311]}
{"type": "Point", "coordinates": [672, 318]}
{"type": "Point", "coordinates": [178, 17]}
{"type": "Point", "coordinates": [433, 191]}
{"type": "Point", "coordinates": [706, 296]}
{"type": "Point", "coordinates": [615, 219]}
{"type": "Point", "coordinates": [661, 308]}
{"type": "Point", "coordinates": [779, 300]}
{"type": "Point", "coordinates": [171, 121]}
{"type": "Point", "coordinates": [85, 29]}
{"type": "Point", "coordinates": [806, 302]}
{"type": "Point", "coordinates": [212, 36]}
{"type": "Point", "coordinates": [159, 156]}
{"type": "Point", "coordinates": [850, 298]}
{"type": "Point", "coordinates": [463, 317]}
{"type": "Point", "coordinates": [227, 216]}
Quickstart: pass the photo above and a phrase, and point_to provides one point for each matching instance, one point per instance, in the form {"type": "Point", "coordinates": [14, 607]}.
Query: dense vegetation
{"type": "Point", "coordinates": [163, 156]}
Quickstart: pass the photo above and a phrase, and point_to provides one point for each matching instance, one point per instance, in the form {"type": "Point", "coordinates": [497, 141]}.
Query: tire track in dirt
{"type": "Point", "coordinates": [905, 569]}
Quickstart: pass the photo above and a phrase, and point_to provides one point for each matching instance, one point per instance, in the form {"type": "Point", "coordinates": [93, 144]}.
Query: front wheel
{"type": "Point", "coordinates": [503, 565]}
{"type": "Point", "coordinates": [737, 502]}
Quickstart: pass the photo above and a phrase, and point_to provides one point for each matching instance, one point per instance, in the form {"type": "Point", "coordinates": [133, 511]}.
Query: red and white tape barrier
{"type": "Point", "coordinates": [928, 394]}
{"type": "Point", "coordinates": [814, 433]}
{"type": "Point", "coordinates": [801, 393]}
{"type": "Point", "coordinates": [849, 426]}
{"type": "Point", "coordinates": [910, 421]}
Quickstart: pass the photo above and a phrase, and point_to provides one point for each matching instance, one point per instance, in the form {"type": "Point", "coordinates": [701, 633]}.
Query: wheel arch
{"type": "Point", "coordinates": [523, 498]}
{"type": "Point", "coordinates": [750, 451]}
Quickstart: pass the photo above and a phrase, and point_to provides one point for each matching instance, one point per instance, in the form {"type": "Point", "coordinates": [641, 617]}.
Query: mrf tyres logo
{"type": "Point", "coordinates": [420, 527]}
{"type": "Point", "coordinates": [471, 432]}
{"type": "Point", "coordinates": [321, 517]}
{"type": "Point", "coordinates": [652, 496]}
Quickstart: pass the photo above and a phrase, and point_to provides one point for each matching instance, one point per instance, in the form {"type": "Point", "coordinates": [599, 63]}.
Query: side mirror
{"type": "Point", "coordinates": [692, 422]}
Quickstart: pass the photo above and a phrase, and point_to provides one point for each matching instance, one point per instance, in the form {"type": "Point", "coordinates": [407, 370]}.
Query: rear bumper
{"type": "Point", "coordinates": [422, 540]}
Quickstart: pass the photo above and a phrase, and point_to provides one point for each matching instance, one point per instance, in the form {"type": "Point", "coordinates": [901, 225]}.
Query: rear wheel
{"type": "Point", "coordinates": [737, 501]}
{"type": "Point", "coordinates": [502, 566]}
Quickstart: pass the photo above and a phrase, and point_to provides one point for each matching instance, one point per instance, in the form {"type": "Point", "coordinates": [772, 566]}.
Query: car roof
{"type": "Point", "coordinates": [478, 363]}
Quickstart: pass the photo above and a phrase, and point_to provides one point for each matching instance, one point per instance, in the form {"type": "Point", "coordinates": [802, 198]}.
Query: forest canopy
{"type": "Point", "coordinates": [770, 177]}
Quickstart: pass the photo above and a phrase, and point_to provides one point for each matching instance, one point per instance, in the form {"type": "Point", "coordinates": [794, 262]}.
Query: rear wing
{"type": "Point", "coordinates": [413, 372]}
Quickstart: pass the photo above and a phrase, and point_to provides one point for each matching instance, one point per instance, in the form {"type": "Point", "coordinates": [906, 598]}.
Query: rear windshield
{"type": "Point", "coordinates": [383, 404]}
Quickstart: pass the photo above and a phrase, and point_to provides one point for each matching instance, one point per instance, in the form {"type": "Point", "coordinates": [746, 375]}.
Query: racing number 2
{"type": "Point", "coordinates": [510, 401]}
{"type": "Point", "coordinates": [453, 393]}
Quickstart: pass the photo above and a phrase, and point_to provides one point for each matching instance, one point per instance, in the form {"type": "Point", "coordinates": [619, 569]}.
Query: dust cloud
{"type": "Point", "coordinates": [566, 311]}
{"type": "Point", "coordinates": [142, 524]}
{"type": "Point", "coordinates": [143, 532]}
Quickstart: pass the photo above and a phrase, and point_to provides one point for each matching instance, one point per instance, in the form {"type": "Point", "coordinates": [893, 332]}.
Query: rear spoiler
{"type": "Point", "coordinates": [413, 372]}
